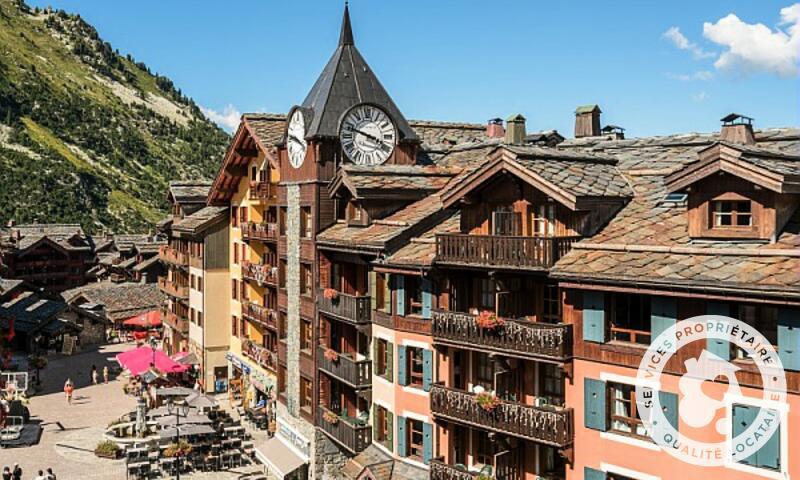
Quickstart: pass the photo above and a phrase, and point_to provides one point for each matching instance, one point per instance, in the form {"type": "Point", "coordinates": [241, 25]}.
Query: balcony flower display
{"type": "Point", "coordinates": [488, 320]}
{"type": "Point", "coordinates": [330, 417]}
{"type": "Point", "coordinates": [181, 449]}
{"type": "Point", "coordinates": [331, 355]}
{"type": "Point", "coordinates": [488, 401]}
{"type": "Point", "coordinates": [330, 293]}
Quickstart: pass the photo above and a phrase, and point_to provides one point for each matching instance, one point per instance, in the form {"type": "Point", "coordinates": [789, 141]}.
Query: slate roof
{"type": "Point", "coordinates": [68, 236]}
{"type": "Point", "coordinates": [440, 136]}
{"type": "Point", "coordinates": [189, 191]}
{"type": "Point", "coordinates": [392, 180]}
{"type": "Point", "coordinates": [267, 128]}
{"type": "Point", "coordinates": [8, 284]}
{"type": "Point", "coordinates": [420, 251]}
{"type": "Point", "coordinates": [120, 300]}
{"type": "Point", "coordinates": [145, 264]}
{"type": "Point", "coordinates": [200, 219]}
{"type": "Point", "coordinates": [381, 466]}
{"type": "Point", "coordinates": [30, 312]}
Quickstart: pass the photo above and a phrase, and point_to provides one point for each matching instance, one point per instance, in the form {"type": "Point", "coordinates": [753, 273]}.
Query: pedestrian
{"type": "Point", "coordinates": [17, 473]}
{"type": "Point", "coordinates": [40, 476]}
{"type": "Point", "coordinates": [105, 373]}
{"type": "Point", "coordinates": [68, 389]}
{"type": "Point", "coordinates": [6, 473]}
{"type": "Point", "coordinates": [94, 375]}
{"type": "Point", "coordinates": [50, 474]}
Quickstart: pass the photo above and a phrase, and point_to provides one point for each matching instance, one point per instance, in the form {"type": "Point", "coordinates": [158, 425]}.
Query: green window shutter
{"type": "Point", "coordinates": [375, 426]}
{"type": "Point", "coordinates": [427, 297]}
{"type": "Point", "coordinates": [400, 295]}
{"type": "Point", "coordinates": [669, 405]}
{"type": "Point", "coordinates": [720, 348]}
{"type": "Point", "coordinates": [389, 361]}
{"type": "Point", "coordinates": [743, 416]}
{"type": "Point", "coordinates": [594, 404]}
{"type": "Point", "coordinates": [663, 315]}
{"type": "Point", "coordinates": [401, 436]}
{"type": "Point", "coordinates": [375, 355]}
{"type": "Point", "coordinates": [373, 289]}
{"type": "Point", "coordinates": [789, 338]}
{"type": "Point", "coordinates": [390, 423]}
{"type": "Point", "coordinates": [402, 378]}
{"type": "Point", "coordinates": [427, 369]}
{"type": "Point", "coordinates": [592, 474]}
{"type": "Point", "coordinates": [594, 316]}
{"type": "Point", "coordinates": [427, 442]}
{"type": "Point", "coordinates": [769, 455]}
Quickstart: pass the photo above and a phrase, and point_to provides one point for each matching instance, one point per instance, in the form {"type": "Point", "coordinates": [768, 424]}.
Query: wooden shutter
{"type": "Point", "coordinates": [373, 289]}
{"type": "Point", "coordinates": [375, 361]}
{"type": "Point", "coordinates": [376, 426]}
{"type": "Point", "coordinates": [427, 369]}
{"type": "Point", "coordinates": [789, 338]}
{"type": "Point", "coordinates": [720, 348]}
{"type": "Point", "coordinates": [400, 295]}
{"type": "Point", "coordinates": [390, 437]}
{"type": "Point", "coordinates": [594, 404]}
{"type": "Point", "coordinates": [401, 436]}
{"type": "Point", "coordinates": [427, 297]}
{"type": "Point", "coordinates": [427, 442]}
{"type": "Point", "coordinates": [669, 405]}
{"type": "Point", "coordinates": [390, 361]}
{"type": "Point", "coordinates": [387, 293]}
{"type": "Point", "coordinates": [594, 317]}
{"type": "Point", "coordinates": [402, 377]}
{"type": "Point", "coordinates": [592, 474]}
{"type": "Point", "coordinates": [663, 315]}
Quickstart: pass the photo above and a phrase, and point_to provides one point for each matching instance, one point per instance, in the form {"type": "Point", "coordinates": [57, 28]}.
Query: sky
{"type": "Point", "coordinates": [654, 68]}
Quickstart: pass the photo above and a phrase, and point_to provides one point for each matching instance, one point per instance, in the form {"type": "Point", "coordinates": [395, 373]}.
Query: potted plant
{"type": "Point", "coordinates": [330, 293]}
{"type": "Point", "coordinates": [489, 320]}
{"type": "Point", "coordinates": [487, 401]}
{"type": "Point", "coordinates": [331, 355]}
{"type": "Point", "coordinates": [107, 449]}
{"type": "Point", "coordinates": [181, 449]}
{"type": "Point", "coordinates": [330, 417]}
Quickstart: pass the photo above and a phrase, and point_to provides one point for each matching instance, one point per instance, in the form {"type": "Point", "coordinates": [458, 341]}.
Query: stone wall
{"type": "Point", "coordinates": [328, 459]}
{"type": "Point", "coordinates": [293, 295]}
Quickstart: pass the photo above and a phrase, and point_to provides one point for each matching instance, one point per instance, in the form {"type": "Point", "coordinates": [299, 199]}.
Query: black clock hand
{"type": "Point", "coordinates": [371, 137]}
{"type": "Point", "coordinates": [292, 137]}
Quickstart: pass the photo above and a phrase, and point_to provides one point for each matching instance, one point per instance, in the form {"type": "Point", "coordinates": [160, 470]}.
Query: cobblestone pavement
{"type": "Point", "coordinates": [72, 431]}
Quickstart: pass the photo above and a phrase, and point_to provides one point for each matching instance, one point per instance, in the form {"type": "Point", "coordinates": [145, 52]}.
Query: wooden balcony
{"type": "Point", "coordinates": [176, 322]}
{"type": "Point", "coordinates": [260, 231]}
{"type": "Point", "coordinates": [548, 425]}
{"type": "Point", "coordinates": [355, 309]}
{"type": "Point", "coordinates": [499, 251]}
{"type": "Point", "coordinates": [172, 256]}
{"type": "Point", "coordinates": [173, 290]}
{"type": "Point", "coordinates": [195, 261]}
{"type": "Point", "coordinates": [260, 314]}
{"type": "Point", "coordinates": [517, 338]}
{"type": "Point", "coordinates": [409, 323]}
{"type": "Point", "coordinates": [442, 471]}
{"type": "Point", "coordinates": [263, 191]}
{"type": "Point", "coordinates": [261, 274]}
{"type": "Point", "coordinates": [356, 373]}
{"type": "Point", "coordinates": [347, 432]}
{"type": "Point", "coordinates": [260, 354]}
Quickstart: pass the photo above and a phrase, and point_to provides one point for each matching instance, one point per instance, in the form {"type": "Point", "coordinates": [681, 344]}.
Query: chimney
{"type": "Point", "coordinates": [737, 128]}
{"type": "Point", "coordinates": [515, 130]}
{"type": "Point", "coordinates": [494, 129]}
{"type": "Point", "coordinates": [587, 121]}
{"type": "Point", "coordinates": [614, 131]}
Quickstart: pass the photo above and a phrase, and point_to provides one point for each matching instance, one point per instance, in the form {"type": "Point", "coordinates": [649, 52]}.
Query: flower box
{"type": "Point", "coordinates": [330, 293]}
{"type": "Point", "coordinates": [330, 417]}
{"type": "Point", "coordinates": [488, 320]}
{"type": "Point", "coordinates": [331, 355]}
{"type": "Point", "coordinates": [487, 401]}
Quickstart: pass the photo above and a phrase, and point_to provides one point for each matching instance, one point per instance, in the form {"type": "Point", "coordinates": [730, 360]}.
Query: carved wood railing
{"type": "Point", "coordinates": [261, 274]}
{"type": "Point", "coordinates": [172, 256]}
{"type": "Point", "coordinates": [355, 309]}
{"type": "Point", "coordinates": [260, 354]}
{"type": "Point", "coordinates": [260, 314]}
{"type": "Point", "coordinates": [176, 322]}
{"type": "Point", "coordinates": [410, 323]}
{"type": "Point", "coordinates": [549, 425]}
{"type": "Point", "coordinates": [442, 471]}
{"type": "Point", "coordinates": [348, 432]}
{"type": "Point", "coordinates": [170, 288]}
{"type": "Point", "coordinates": [501, 250]}
{"type": "Point", "coordinates": [263, 190]}
{"type": "Point", "coordinates": [514, 337]}
{"type": "Point", "coordinates": [260, 231]}
{"type": "Point", "coordinates": [357, 373]}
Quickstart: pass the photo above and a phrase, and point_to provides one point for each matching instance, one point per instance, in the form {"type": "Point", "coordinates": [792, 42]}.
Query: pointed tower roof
{"type": "Point", "coordinates": [347, 81]}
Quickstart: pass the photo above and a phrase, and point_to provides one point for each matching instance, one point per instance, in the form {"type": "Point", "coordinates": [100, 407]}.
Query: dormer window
{"type": "Point", "coordinates": [731, 214]}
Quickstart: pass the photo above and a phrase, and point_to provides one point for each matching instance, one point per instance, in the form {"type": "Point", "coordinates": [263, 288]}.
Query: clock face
{"type": "Point", "coordinates": [296, 139]}
{"type": "Point", "coordinates": [367, 135]}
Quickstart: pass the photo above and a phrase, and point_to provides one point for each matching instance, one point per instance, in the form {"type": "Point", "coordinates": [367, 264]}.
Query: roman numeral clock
{"type": "Point", "coordinates": [367, 135]}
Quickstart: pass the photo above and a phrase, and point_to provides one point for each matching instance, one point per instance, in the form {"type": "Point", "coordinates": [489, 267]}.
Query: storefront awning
{"type": "Point", "coordinates": [278, 457]}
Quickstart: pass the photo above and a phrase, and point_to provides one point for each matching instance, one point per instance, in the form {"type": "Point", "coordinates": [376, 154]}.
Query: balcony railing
{"type": "Point", "coordinates": [171, 289]}
{"type": "Point", "coordinates": [442, 471]}
{"type": "Point", "coordinates": [260, 231]}
{"type": "Point", "coordinates": [259, 354]}
{"type": "Point", "coordinates": [176, 322]}
{"type": "Point", "coordinates": [356, 373]}
{"type": "Point", "coordinates": [172, 256]}
{"type": "Point", "coordinates": [260, 314]}
{"type": "Point", "coordinates": [500, 250]}
{"type": "Point", "coordinates": [515, 337]}
{"type": "Point", "coordinates": [548, 425]}
{"type": "Point", "coordinates": [263, 190]}
{"type": "Point", "coordinates": [355, 309]}
{"type": "Point", "coordinates": [350, 433]}
{"type": "Point", "coordinates": [261, 274]}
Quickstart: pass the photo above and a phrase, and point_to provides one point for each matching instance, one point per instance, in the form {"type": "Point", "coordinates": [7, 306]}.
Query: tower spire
{"type": "Point", "coordinates": [346, 37]}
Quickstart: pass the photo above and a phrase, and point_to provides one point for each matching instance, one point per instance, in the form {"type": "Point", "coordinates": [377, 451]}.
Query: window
{"type": "Point", "coordinates": [281, 380]}
{"type": "Point", "coordinates": [383, 426]}
{"type": "Point", "coordinates": [306, 223]}
{"type": "Point", "coordinates": [243, 214]}
{"type": "Point", "coordinates": [282, 326]}
{"type": "Point", "coordinates": [236, 254]}
{"type": "Point", "coordinates": [630, 318]}
{"type": "Point", "coordinates": [199, 283]}
{"type": "Point", "coordinates": [235, 289]}
{"type": "Point", "coordinates": [484, 452]}
{"type": "Point", "coordinates": [191, 281]}
{"type": "Point", "coordinates": [505, 221]}
{"type": "Point", "coordinates": [415, 438]}
{"type": "Point", "coordinates": [243, 291]}
{"type": "Point", "coordinates": [383, 295]}
{"type": "Point", "coordinates": [623, 417]}
{"type": "Point", "coordinates": [235, 216]}
{"type": "Point", "coordinates": [306, 394]}
{"type": "Point", "coordinates": [731, 214]}
{"type": "Point", "coordinates": [200, 319]}
{"type": "Point", "coordinates": [768, 456]}
{"type": "Point", "coordinates": [551, 310]}
{"type": "Point", "coordinates": [487, 290]}
{"type": "Point", "coordinates": [413, 289]}
{"type": "Point", "coordinates": [765, 319]}
{"type": "Point", "coordinates": [543, 220]}
{"type": "Point", "coordinates": [191, 315]}
{"type": "Point", "coordinates": [282, 221]}
{"type": "Point", "coordinates": [552, 383]}
{"type": "Point", "coordinates": [306, 279]}
{"type": "Point", "coordinates": [306, 336]}
{"type": "Point", "coordinates": [282, 274]}
{"type": "Point", "coordinates": [253, 173]}
{"type": "Point", "coordinates": [415, 369]}
{"type": "Point", "coordinates": [234, 326]}
{"type": "Point", "coordinates": [382, 357]}
{"type": "Point", "coordinates": [484, 370]}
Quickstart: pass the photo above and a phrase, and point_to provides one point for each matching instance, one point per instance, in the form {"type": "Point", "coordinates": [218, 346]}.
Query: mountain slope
{"type": "Point", "coordinates": [87, 135]}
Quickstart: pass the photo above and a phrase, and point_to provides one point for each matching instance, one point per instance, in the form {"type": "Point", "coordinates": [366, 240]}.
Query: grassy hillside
{"type": "Point", "coordinates": [88, 135]}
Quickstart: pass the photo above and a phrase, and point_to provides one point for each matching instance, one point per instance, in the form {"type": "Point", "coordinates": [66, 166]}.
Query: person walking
{"type": "Point", "coordinates": [50, 474]}
{"type": "Point", "coordinates": [94, 375]}
{"type": "Point", "coordinates": [40, 476]}
{"type": "Point", "coordinates": [68, 389]}
{"type": "Point", "coordinates": [105, 373]}
{"type": "Point", "coordinates": [6, 473]}
{"type": "Point", "coordinates": [17, 473]}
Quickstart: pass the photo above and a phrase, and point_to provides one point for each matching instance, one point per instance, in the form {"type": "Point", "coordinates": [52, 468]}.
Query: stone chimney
{"type": "Point", "coordinates": [587, 121]}
{"type": "Point", "coordinates": [494, 129]}
{"type": "Point", "coordinates": [515, 129]}
{"type": "Point", "coordinates": [737, 128]}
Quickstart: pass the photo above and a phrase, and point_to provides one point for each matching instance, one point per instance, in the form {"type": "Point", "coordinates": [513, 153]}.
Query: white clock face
{"type": "Point", "coordinates": [367, 135]}
{"type": "Point", "coordinates": [296, 139]}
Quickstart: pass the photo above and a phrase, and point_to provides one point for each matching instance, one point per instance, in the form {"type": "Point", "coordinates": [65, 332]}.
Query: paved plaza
{"type": "Point", "coordinates": [72, 431]}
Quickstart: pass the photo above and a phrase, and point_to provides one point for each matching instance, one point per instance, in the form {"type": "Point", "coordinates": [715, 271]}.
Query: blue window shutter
{"type": "Point", "coordinates": [720, 348]}
{"type": "Point", "coordinates": [401, 436]}
{"type": "Point", "coordinates": [402, 378]}
{"type": "Point", "coordinates": [594, 316]}
{"type": "Point", "coordinates": [669, 405]}
{"type": "Point", "coordinates": [592, 474]}
{"type": "Point", "coordinates": [769, 455]}
{"type": "Point", "coordinates": [594, 404]}
{"type": "Point", "coordinates": [427, 369]}
{"type": "Point", "coordinates": [427, 442]}
{"type": "Point", "coordinates": [427, 297]}
{"type": "Point", "coordinates": [663, 315]}
{"type": "Point", "coordinates": [743, 416]}
{"type": "Point", "coordinates": [400, 295]}
{"type": "Point", "coordinates": [789, 338]}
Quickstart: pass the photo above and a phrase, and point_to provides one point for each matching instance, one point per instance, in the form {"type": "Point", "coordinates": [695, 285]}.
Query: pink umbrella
{"type": "Point", "coordinates": [140, 359]}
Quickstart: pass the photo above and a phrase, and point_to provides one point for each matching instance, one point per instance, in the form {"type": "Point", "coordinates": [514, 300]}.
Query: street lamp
{"type": "Point", "coordinates": [178, 409]}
